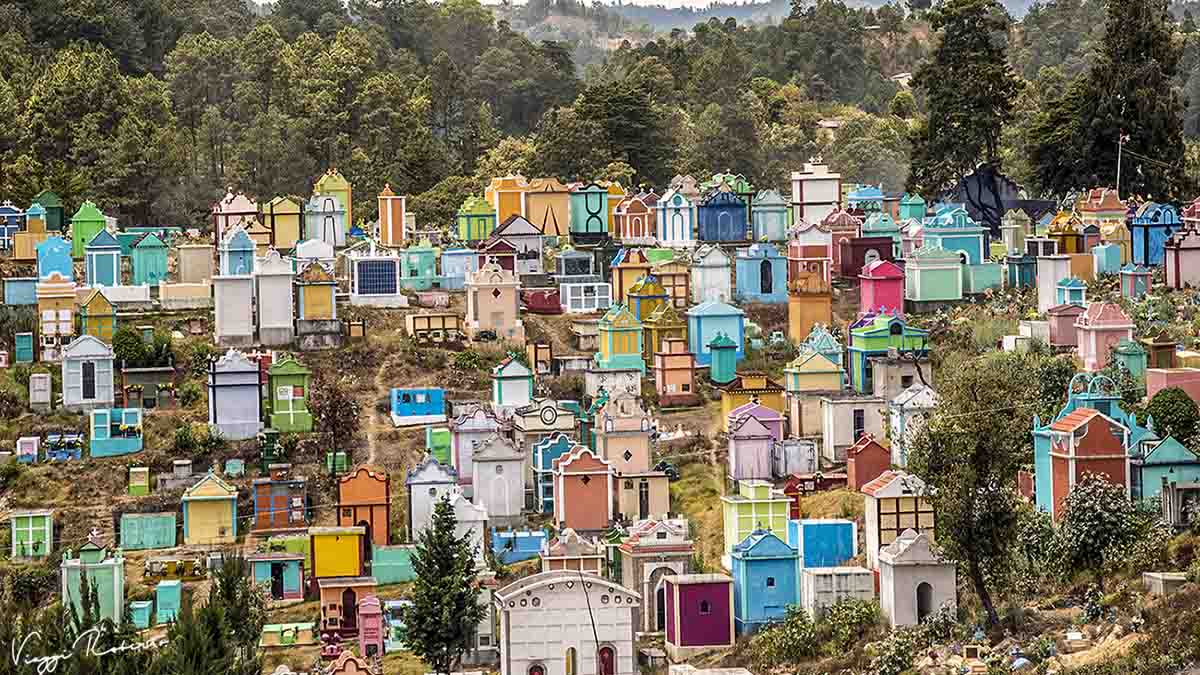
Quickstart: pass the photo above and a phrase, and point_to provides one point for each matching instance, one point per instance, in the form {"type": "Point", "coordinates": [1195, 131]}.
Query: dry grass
{"type": "Point", "coordinates": [697, 496]}
{"type": "Point", "coordinates": [833, 504]}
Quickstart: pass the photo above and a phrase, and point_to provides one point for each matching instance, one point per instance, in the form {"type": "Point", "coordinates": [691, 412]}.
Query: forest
{"type": "Point", "coordinates": [153, 108]}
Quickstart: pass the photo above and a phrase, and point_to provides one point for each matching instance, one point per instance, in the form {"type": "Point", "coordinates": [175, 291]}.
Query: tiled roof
{"type": "Point", "coordinates": [879, 486]}
{"type": "Point", "coordinates": [1074, 420]}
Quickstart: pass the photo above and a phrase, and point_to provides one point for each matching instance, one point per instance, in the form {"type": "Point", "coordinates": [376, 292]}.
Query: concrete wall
{"type": "Point", "coordinates": [233, 307]}
{"type": "Point", "coordinates": [898, 590]}
{"type": "Point", "coordinates": [1187, 379]}
{"type": "Point", "coordinates": [185, 296]}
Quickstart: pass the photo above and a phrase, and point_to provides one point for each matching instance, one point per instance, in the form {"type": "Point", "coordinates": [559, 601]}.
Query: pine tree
{"type": "Point", "coordinates": [970, 88]}
{"type": "Point", "coordinates": [1129, 91]}
{"type": "Point", "coordinates": [445, 609]}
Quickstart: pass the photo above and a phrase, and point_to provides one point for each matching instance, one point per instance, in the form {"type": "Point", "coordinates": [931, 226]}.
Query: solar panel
{"type": "Point", "coordinates": [377, 277]}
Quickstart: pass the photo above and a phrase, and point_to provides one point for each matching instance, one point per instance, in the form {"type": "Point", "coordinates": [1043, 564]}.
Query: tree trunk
{"type": "Point", "coordinates": [985, 598]}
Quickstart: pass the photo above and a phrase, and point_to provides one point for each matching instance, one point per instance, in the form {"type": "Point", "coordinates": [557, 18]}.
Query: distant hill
{"type": "Point", "coordinates": [685, 13]}
{"type": "Point", "coordinates": [663, 18]}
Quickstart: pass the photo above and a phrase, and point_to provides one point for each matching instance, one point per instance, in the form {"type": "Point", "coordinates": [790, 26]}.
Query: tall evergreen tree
{"type": "Point", "coordinates": [1129, 91]}
{"type": "Point", "coordinates": [445, 609]}
{"type": "Point", "coordinates": [970, 88]}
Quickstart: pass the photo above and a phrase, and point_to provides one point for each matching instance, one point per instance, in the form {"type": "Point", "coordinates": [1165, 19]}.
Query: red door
{"type": "Point", "coordinates": [608, 661]}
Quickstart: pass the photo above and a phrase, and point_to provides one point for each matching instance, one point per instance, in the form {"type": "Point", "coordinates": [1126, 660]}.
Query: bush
{"type": "Point", "coordinates": [29, 585]}
{"type": "Point", "coordinates": [128, 346]}
{"type": "Point", "coordinates": [9, 473]}
{"type": "Point", "coordinates": [468, 360]}
{"type": "Point", "coordinates": [189, 394]}
{"type": "Point", "coordinates": [21, 373]}
{"type": "Point", "coordinates": [185, 440]}
{"type": "Point", "coordinates": [1193, 571]}
{"type": "Point", "coordinates": [895, 652]}
{"type": "Point", "coordinates": [786, 642]}
{"type": "Point", "coordinates": [10, 404]}
{"type": "Point", "coordinates": [214, 442]}
{"type": "Point", "coordinates": [1174, 413]}
{"type": "Point", "coordinates": [849, 621]}
{"type": "Point", "coordinates": [198, 357]}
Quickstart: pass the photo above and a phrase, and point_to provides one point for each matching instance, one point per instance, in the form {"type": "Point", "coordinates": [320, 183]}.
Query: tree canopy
{"type": "Point", "coordinates": [1126, 103]}
{"type": "Point", "coordinates": [970, 88]}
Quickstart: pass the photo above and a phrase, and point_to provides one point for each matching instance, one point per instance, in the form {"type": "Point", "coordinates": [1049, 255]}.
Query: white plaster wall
{"type": "Point", "coordinates": [233, 307]}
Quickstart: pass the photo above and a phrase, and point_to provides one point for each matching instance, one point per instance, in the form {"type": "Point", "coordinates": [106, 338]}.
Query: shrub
{"type": "Point", "coordinates": [1174, 413]}
{"type": "Point", "coordinates": [189, 394]}
{"type": "Point", "coordinates": [9, 473]}
{"type": "Point", "coordinates": [214, 442]}
{"type": "Point", "coordinates": [1193, 571]}
{"type": "Point", "coordinates": [21, 373]}
{"type": "Point", "coordinates": [185, 440]}
{"type": "Point", "coordinates": [128, 346]}
{"type": "Point", "coordinates": [29, 585]}
{"type": "Point", "coordinates": [466, 361]}
{"type": "Point", "coordinates": [786, 642]}
{"type": "Point", "coordinates": [10, 404]}
{"type": "Point", "coordinates": [848, 621]}
{"type": "Point", "coordinates": [198, 357]}
{"type": "Point", "coordinates": [895, 652]}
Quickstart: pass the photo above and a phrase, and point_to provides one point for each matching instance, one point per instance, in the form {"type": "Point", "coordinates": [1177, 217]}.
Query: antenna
{"type": "Point", "coordinates": [592, 617]}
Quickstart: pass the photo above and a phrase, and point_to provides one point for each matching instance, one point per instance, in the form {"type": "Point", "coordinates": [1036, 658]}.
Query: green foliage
{"type": "Point", "coordinates": [468, 360]}
{"type": "Point", "coordinates": [1128, 90]}
{"type": "Point", "coordinates": [1131, 389]}
{"type": "Point", "coordinates": [1052, 376]}
{"type": "Point", "coordinates": [897, 652]}
{"type": "Point", "coordinates": [128, 346]}
{"type": "Point", "coordinates": [439, 204]}
{"type": "Point", "coordinates": [970, 89]}
{"type": "Point", "coordinates": [1098, 523]}
{"type": "Point", "coordinates": [1036, 554]}
{"type": "Point", "coordinates": [189, 393]}
{"type": "Point", "coordinates": [968, 453]}
{"type": "Point", "coordinates": [848, 622]}
{"type": "Point", "coordinates": [200, 352]}
{"type": "Point", "coordinates": [1174, 414]}
{"type": "Point", "coordinates": [785, 642]}
{"type": "Point", "coordinates": [13, 320]}
{"type": "Point", "coordinates": [903, 105]}
{"type": "Point", "coordinates": [10, 404]}
{"type": "Point", "coordinates": [10, 472]}
{"type": "Point", "coordinates": [220, 637]}
{"type": "Point", "coordinates": [185, 441]}
{"type": "Point", "coordinates": [1193, 572]}
{"type": "Point", "coordinates": [213, 442]}
{"type": "Point", "coordinates": [29, 585]}
{"type": "Point", "coordinates": [445, 609]}
{"type": "Point", "coordinates": [873, 150]}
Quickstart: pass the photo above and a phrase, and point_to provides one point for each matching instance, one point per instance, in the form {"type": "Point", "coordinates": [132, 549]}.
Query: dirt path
{"type": "Point", "coordinates": [382, 388]}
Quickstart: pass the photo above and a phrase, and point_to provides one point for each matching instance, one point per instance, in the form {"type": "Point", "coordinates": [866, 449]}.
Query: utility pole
{"type": "Point", "coordinates": [1121, 138]}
